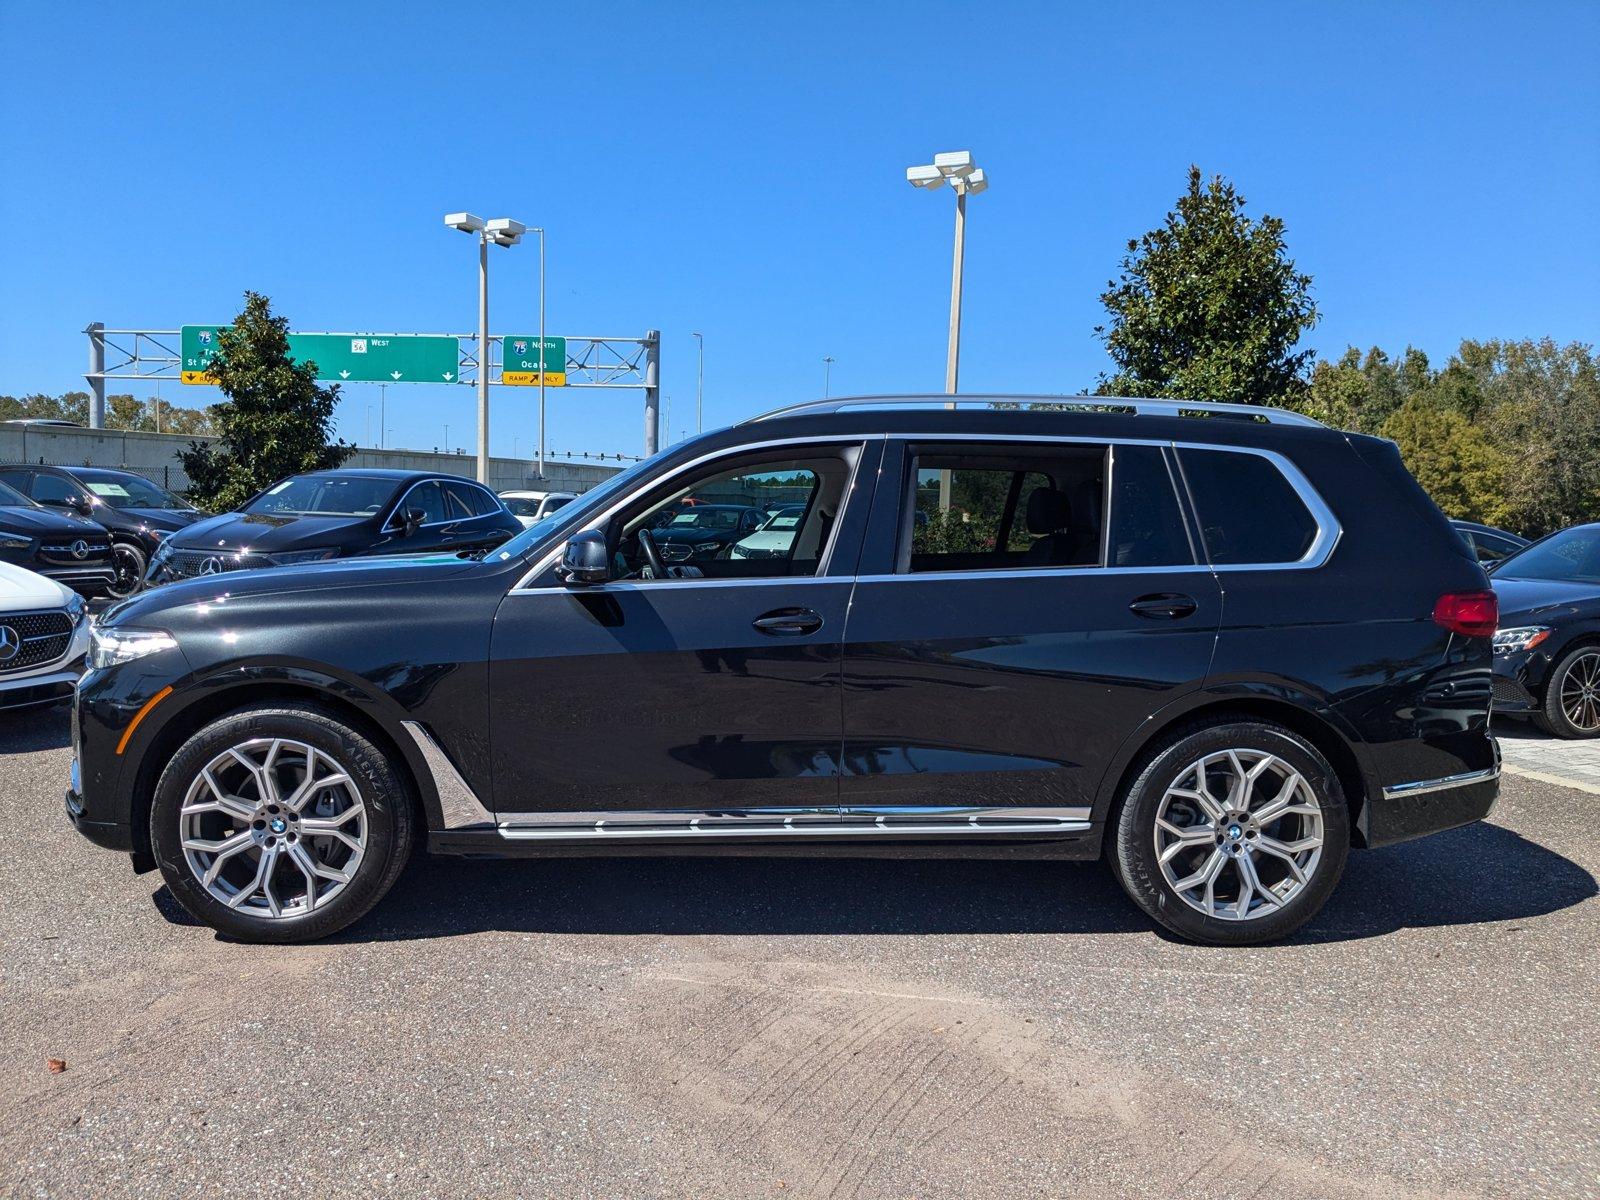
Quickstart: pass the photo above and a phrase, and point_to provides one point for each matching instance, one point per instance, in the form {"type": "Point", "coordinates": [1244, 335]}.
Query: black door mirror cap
{"type": "Point", "coordinates": [585, 560]}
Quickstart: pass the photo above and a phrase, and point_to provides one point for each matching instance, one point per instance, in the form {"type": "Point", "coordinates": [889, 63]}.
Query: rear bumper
{"type": "Point", "coordinates": [1424, 806]}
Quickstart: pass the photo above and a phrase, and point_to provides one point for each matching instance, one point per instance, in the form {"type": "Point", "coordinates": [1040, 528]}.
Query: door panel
{"type": "Point", "coordinates": [1013, 687]}
{"type": "Point", "coordinates": [667, 694]}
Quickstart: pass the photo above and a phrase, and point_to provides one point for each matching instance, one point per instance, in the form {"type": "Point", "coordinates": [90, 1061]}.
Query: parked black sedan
{"type": "Point", "coordinates": [1547, 650]}
{"type": "Point", "coordinates": [64, 547]}
{"type": "Point", "coordinates": [340, 514]}
{"type": "Point", "coordinates": [703, 531]}
{"type": "Point", "coordinates": [136, 512]}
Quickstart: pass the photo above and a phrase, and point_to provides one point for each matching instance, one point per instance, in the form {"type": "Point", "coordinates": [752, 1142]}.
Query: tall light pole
{"type": "Point", "coordinates": [383, 412]}
{"type": "Point", "coordinates": [502, 231]}
{"type": "Point", "coordinates": [542, 364]}
{"type": "Point", "coordinates": [956, 169]}
{"type": "Point", "coordinates": [700, 387]}
{"type": "Point", "coordinates": [965, 180]}
{"type": "Point", "coordinates": [827, 375]}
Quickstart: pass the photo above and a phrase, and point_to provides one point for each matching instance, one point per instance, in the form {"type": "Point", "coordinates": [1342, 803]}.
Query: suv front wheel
{"type": "Point", "coordinates": [280, 824]}
{"type": "Point", "coordinates": [1231, 834]}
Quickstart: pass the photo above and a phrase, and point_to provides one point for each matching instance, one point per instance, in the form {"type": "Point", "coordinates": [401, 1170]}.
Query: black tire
{"type": "Point", "coordinates": [1552, 716]}
{"type": "Point", "coordinates": [385, 796]}
{"type": "Point", "coordinates": [129, 562]}
{"type": "Point", "coordinates": [1131, 834]}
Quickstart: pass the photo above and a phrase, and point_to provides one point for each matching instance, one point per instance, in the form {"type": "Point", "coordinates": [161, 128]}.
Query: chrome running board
{"type": "Point", "coordinates": [899, 821]}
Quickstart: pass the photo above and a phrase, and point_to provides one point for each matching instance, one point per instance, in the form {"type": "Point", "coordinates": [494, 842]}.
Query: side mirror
{"type": "Point", "coordinates": [406, 521]}
{"type": "Point", "coordinates": [586, 559]}
{"type": "Point", "coordinates": [83, 504]}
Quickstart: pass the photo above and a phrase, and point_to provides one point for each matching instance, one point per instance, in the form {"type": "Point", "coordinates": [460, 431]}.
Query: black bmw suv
{"type": "Point", "coordinates": [352, 512]}
{"type": "Point", "coordinates": [1217, 646]}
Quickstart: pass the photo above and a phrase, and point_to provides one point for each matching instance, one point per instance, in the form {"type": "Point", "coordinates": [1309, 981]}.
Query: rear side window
{"type": "Point", "coordinates": [1249, 513]}
{"type": "Point", "coordinates": [1147, 528]}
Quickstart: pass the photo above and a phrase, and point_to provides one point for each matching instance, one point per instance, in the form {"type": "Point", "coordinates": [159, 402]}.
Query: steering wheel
{"type": "Point", "coordinates": [652, 556]}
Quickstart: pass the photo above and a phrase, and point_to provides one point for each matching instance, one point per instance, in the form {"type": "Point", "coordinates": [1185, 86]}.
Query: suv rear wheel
{"type": "Point", "coordinates": [1232, 833]}
{"type": "Point", "coordinates": [280, 824]}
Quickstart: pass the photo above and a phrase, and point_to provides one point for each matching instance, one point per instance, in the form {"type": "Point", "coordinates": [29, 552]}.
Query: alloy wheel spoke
{"type": "Point", "coordinates": [1250, 882]}
{"type": "Point", "coordinates": [264, 868]}
{"type": "Point", "coordinates": [1207, 873]}
{"type": "Point", "coordinates": [1288, 853]}
{"type": "Point", "coordinates": [1184, 837]}
{"type": "Point", "coordinates": [1284, 802]}
{"type": "Point", "coordinates": [297, 852]}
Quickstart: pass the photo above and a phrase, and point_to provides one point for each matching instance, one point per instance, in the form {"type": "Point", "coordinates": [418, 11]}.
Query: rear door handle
{"type": "Point", "coordinates": [1164, 606]}
{"type": "Point", "coordinates": [788, 622]}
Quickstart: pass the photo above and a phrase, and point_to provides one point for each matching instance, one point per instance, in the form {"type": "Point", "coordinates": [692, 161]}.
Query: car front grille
{"type": "Point", "coordinates": [34, 639]}
{"type": "Point", "coordinates": [189, 564]}
{"type": "Point", "coordinates": [65, 554]}
{"type": "Point", "coordinates": [1510, 695]}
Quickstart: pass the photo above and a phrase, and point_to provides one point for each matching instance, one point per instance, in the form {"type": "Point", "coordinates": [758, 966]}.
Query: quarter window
{"type": "Point", "coordinates": [1249, 513]}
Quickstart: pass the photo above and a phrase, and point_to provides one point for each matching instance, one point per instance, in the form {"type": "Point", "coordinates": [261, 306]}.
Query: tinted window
{"type": "Point", "coordinates": [461, 501]}
{"type": "Point", "coordinates": [16, 479]}
{"type": "Point", "coordinates": [998, 508]}
{"type": "Point", "coordinates": [429, 497]}
{"type": "Point", "coordinates": [1491, 548]}
{"type": "Point", "coordinates": [555, 502]}
{"type": "Point", "coordinates": [1248, 511]}
{"type": "Point", "coordinates": [130, 491]}
{"type": "Point", "coordinates": [1146, 522]}
{"type": "Point", "coordinates": [11, 498]}
{"type": "Point", "coordinates": [52, 489]}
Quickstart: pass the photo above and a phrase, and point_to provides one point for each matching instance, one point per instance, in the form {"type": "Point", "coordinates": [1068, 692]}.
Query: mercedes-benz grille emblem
{"type": "Point", "coordinates": [211, 566]}
{"type": "Point", "coordinates": [80, 549]}
{"type": "Point", "coordinates": [10, 643]}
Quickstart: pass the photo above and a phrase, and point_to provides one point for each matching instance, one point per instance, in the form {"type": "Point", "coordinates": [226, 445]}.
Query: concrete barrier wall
{"type": "Point", "coordinates": [155, 456]}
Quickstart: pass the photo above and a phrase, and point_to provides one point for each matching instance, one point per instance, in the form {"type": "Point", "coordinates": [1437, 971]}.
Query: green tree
{"type": "Point", "coordinates": [1542, 403]}
{"type": "Point", "coordinates": [1452, 458]}
{"type": "Point", "coordinates": [1209, 306]}
{"type": "Point", "coordinates": [276, 418]}
{"type": "Point", "coordinates": [70, 406]}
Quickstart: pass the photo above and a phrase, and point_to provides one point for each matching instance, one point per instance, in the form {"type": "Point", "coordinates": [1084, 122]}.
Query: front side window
{"type": "Point", "coordinates": [428, 499]}
{"type": "Point", "coordinates": [52, 489]}
{"type": "Point", "coordinates": [710, 526]}
{"type": "Point", "coordinates": [988, 509]}
{"type": "Point", "coordinates": [1249, 513]}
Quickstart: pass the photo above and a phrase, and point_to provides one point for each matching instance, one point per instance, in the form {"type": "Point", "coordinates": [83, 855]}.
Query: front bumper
{"type": "Point", "coordinates": [1519, 680]}
{"type": "Point", "coordinates": [40, 689]}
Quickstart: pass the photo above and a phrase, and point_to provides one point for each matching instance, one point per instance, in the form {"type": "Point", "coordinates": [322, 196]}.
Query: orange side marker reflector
{"type": "Point", "coordinates": [122, 743]}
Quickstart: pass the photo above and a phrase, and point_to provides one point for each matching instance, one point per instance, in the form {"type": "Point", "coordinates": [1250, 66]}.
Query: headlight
{"type": "Point", "coordinates": [108, 647]}
{"type": "Point", "coordinates": [301, 556]}
{"type": "Point", "coordinates": [10, 541]}
{"type": "Point", "coordinates": [77, 609]}
{"type": "Point", "coordinates": [1524, 637]}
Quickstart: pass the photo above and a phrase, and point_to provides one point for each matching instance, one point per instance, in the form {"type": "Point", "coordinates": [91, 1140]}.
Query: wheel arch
{"type": "Point", "coordinates": [252, 689]}
{"type": "Point", "coordinates": [1334, 744]}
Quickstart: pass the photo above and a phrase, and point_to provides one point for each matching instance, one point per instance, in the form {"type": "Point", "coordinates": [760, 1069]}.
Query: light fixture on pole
{"type": "Point", "coordinates": [700, 386]}
{"type": "Point", "coordinates": [502, 231]}
{"type": "Point", "coordinates": [827, 375]}
{"type": "Point", "coordinates": [956, 169]}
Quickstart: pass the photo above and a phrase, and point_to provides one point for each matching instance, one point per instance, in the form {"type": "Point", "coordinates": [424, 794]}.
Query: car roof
{"type": "Point", "coordinates": [382, 473]}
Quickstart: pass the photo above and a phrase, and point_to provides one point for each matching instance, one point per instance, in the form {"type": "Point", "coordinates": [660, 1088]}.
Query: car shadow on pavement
{"type": "Point", "coordinates": [24, 730]}
{"type": "Point", "coordinates": [1477, 874]}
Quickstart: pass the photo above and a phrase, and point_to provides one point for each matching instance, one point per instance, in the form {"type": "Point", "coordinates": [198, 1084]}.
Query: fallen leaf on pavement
{"type": "Point", "coordinates": [56, 1065]}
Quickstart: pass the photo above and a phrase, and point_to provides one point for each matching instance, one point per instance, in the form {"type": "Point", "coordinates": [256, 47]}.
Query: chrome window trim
{"type": "Point", "coordinates": [1328, 528]}
{"type": "Point", "coordinates": [458, 803]}
{"type": "Point", "coordinates": [852, 821]}
{"type": "Point", "coordinates": [1423, 787]}
{"type": "Point", "coordinates": [860, 441]}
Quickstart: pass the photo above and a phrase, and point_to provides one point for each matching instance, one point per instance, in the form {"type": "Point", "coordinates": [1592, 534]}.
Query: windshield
{"type": "Point", "coordinates": [130, 491]}
{"type": "Point", "coordinates": [706, 518]}
{"type": "Point", "coordinates": [1572, 554]}
{"type": "Point", "coordinates": [580, 508]}
{"type": "Point", "coordinates": [521, 506]}
{"type": "Point", "coordinates": [325, 496]}
{"type": "Point", "coordinates": [11, 498]}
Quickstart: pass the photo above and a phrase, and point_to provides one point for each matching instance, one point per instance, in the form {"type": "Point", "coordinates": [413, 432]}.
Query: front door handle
{"type": "Point", "coordinates": [788, 622]}
{"type": "Point", "coordinates": [1164, 606]}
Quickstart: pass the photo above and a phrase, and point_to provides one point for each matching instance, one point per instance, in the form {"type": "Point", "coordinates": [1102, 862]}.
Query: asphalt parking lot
{"type": "Point", "coordinates": [755, 1027]}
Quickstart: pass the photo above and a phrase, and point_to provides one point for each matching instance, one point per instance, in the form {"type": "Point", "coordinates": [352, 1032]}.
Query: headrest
{"type": "Point", "coordinates": [1048, 510]}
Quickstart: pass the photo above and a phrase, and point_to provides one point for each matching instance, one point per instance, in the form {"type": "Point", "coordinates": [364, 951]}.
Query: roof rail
{"type": "Point", "coordinates": [1107, 405]}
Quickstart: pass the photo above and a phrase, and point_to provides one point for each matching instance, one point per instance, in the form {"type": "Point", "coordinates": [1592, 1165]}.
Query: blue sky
{"type": "Point", "coordinates": [739, 169]}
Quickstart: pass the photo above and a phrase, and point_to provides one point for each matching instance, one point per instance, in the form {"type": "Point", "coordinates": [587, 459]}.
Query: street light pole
{"type": "Point", "coordinates": [827, 375]}
{"type": "Point", "coordinates": [543, 365]}
{"type": "Point", "coordinates": [700, 387]}
{"type": "Point", "coordinates": [952, 363]}
{"type": "Point", "coordinates": [502, 231]}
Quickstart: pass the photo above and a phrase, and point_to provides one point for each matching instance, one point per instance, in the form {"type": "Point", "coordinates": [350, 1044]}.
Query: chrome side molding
{"type": "Point", "coordinates": [458, 803]}
{"type": "Point", "coordinates": [898, 821]}
{"type": "Point", "coordinates": [1422, 787]}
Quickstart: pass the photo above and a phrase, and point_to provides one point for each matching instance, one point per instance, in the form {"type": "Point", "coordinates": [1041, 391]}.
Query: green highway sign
{"type": "Point", "coordinates": [344, 357]}
{"type": "Point", "coordinates": [523, 357]}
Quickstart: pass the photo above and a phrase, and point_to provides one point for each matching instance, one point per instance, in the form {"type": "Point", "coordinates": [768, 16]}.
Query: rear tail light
{"type": "Point", "coordinates": [1471, 614]}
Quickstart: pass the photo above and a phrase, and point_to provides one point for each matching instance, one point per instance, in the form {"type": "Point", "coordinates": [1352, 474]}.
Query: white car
{"type": "Point", "coordinates": [44, 634]}
{"type": "Point", "coordinates": [774, 537]}
{"type": "Point", "coordinates": [532, 507]}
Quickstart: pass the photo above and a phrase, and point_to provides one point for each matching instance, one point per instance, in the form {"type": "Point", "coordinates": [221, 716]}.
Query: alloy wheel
{"type": "Point", "coordinates": [1580, 693]}
{"type": "Point", "coordinates": [273, 827]}
{"type": "Point", "coordinates": [128, 566]}
{"type": "Point", "coordinates": [1239, 834]}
